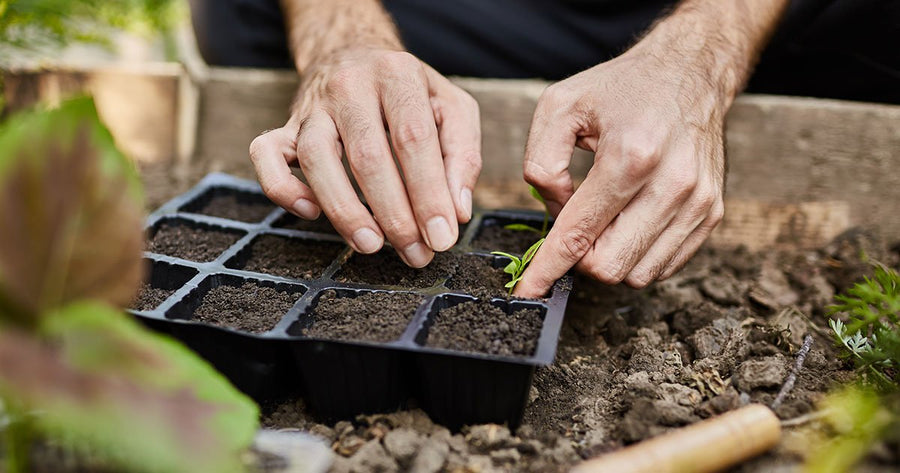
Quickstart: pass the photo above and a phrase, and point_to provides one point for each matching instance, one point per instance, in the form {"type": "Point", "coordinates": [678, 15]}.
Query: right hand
{"type": "Point", "coordinates": [345, 104]}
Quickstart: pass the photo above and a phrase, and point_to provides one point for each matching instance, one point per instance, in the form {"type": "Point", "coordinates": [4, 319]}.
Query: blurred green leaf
{"type": "Point", "coordinates": [521, 227]}
{"type": "Point", "coordinates": [70, 213]}
{"type": "Point", "coordinates": [858, 418]}
{"type": "Point", "coordinates": [108, 387]}
{"type": "Point", "coordinates": [32, 24]}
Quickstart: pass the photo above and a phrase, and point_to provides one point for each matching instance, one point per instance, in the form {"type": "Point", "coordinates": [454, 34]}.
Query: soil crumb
{"type": "Point", "coordinates": [195, 244]}
{"type": "Point", "coordinates": [477, 276]}
{"type": "Point", "coordinates": [373, 317]}
{"type": "Point", "coordinates": [244, 207]}
{"type": "Point", "coordinates": [249, 308]}
{"type": "Point", "coordinates": [290, 257]}
{"type": "Point", "coordinates": [497, 238]}
{"type": "Point", "coordinates": [481, 327]}
{"type": "Point", "coordinates": [319, 225]}
{"type": "Point", "coordinates": [149, 297]}
{"type": "Point", "coordinates": [385, 268]}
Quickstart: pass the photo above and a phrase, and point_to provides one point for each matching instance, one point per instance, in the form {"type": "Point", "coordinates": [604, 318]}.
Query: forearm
{"type": "Point", "coordinates": [319, 28]}
{"type": "Point", "coordinates": [714, 42]}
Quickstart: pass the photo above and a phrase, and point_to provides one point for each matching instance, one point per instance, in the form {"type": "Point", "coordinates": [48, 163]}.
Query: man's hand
{"type": "Point", "coordinates": [654, 119]}
{"type": "Point", "coordinates": [350, 96]}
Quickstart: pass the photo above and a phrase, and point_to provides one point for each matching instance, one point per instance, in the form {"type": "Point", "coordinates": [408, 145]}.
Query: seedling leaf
{"type": "Point", "coordinates": [537, 195]}
{"type": "Point", "coordinates": [521, 227]}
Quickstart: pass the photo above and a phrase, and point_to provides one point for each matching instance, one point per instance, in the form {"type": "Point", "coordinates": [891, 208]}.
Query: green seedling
{"type": "Point", "coordinates": [516, 266]}
{"type": "Point", "coordinates": [528, 228]}
{"type": "Point", "coordinates": [866, 325]}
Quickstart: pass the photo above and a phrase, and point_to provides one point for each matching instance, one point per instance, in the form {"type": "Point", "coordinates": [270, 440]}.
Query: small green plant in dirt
{"type": "Point", "coordinates": [528, 228]}
{"type": "Point", "coordinates": [516, 266]}
{"type": "Point", "coordinates": [77, 373]}
{"type": "Point", "coordinates": [866, 324]}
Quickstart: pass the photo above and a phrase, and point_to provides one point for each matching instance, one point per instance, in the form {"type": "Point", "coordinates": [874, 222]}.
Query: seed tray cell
{"type": "Point", "coordinates": [339, 372]}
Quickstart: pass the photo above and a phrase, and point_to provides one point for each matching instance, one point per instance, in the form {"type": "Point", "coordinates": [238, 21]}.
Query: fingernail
{"type": "Point", "coordinates": [417, 255]}
{"type": "Point", "coordinates": [439, 234]}
{"type": "Point", "coordinates": [366, 240]}
{"type": "Point", "coordinates": [306, 209]}
{"type": "Point", "coordinates": [465, 200]}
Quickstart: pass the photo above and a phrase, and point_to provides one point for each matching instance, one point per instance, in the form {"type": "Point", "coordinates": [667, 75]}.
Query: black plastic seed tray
{"type": "Point", "coordinates": [339, 379]}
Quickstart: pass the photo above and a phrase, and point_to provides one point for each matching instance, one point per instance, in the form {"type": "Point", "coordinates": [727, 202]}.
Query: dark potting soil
{"type": "Point", "coordinates": [373, 317]}
{"type": "Point", "coordinates": [249, 308]}
{"type": "Point", "coordinates": [632, 365]}
{"type": "Point", "coordinates": [232, 207]}
{"type": "Point", "coordinates": [477, 276]}
{"type": "Point", "coordinates": [149, 297]}
{"type": "Point", "coordinates": [195, 244]}
{"type": "Point", "coordinates": [497, 238]}
{"type": "Point", "coordinates": [290, 257]}
{"type": "Point", "coordinates": [479, 326]}
{"type": "Point", "coordinates": [387, 269]}
{"type": "Point", "coordinates": [291, 222]}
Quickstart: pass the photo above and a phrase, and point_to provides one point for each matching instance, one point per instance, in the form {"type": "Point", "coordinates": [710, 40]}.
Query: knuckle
{"type": "Point", "coordinates": [471, 160]}
{"type": "Point", "coordinates": [641, 158]}
{"type": "Point", "coordinates": [639, 279]}
{"type": "Point", "coordinates": [341, 82]}
{"type": "Point", "coordinates": [413, 132]}
{"type": "Point", "coordinates": [683, 184]}
{"type": "Point", "coordinates": [607, 273]}
{"type": "Point", "coordinates": [365, 159]}
{"type": "Point", "coordinates": [574, 244]}
{"type": "Point", "coordinates": [278, 189]}
{"type": "Point", "coordinates": [401, 231]}
{"type": "Point", "coordinates": [398, 61]}
{"type": "Point", "coordinates": [551, 180]}
{"type": "Point", "coordinates": [717, 213]}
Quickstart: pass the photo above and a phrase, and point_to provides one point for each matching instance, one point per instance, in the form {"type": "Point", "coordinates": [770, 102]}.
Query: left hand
{"type": "Point", "coordinates": [655, 191]}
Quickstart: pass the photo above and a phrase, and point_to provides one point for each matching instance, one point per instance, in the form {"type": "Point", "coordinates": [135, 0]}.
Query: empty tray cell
{"type": "Point", "coordinates": [233, 204]}
{"type": "Point", "coordinates": [162, 279]}
{"type": "Point", "coordinates": [248, 305]}
{"type": "Point", "coordinates": [319, 225]}
{"type": "Point", "coordinates": [357, 315]}
{"type": "Point", "coordinates": [287, 257]}
{"type": "Point", "coordinates": [385, 268]}
{"type": "Point", "coordinates": [495, 327]}
{"type": "Point", "coordinates": [481, 276]}
{"type": "Point", "coordinates": [492, 234]}
{"type": "Point", "coordinates": [190, 240]}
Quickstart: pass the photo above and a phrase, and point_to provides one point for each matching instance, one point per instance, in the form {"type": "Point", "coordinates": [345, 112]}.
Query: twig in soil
{"type": "Point", "coordinates": [805, 418]}
{"type": "Point", "coordinates": [792, 377]}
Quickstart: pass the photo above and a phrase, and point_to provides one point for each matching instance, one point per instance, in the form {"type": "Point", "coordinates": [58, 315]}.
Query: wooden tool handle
{"type": "Point", "coordinates": [707, 446]}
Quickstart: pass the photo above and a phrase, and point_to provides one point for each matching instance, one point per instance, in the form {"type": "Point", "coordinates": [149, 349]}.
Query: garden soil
{"type": "Point", "coordinates": [194, 244]}
{"type": "Point", "coordinates": [635, 364]}
{"type": "Point", "coordinates": [230, 206]}
{"type": "Point", "coordinates": [290, 257]}
{"type": "Point", "coordinates": [250, 307]}
{"type": "Point", "coordinates": [481, 327]}
{"type": "Point", "coordinates": [371, 317]}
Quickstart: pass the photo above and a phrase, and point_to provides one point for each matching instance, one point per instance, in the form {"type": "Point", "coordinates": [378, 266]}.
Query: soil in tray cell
{"type": "Point", "coordinates": [387, 269]}
{"type": "Point", "coordinates": [233, 205]}
{"type": "Point", "coordinates": [248, 308]}
{"type": "Point", "coordinates": [319, 225]}
{"type": "Point", "coordinates": [288, 257]}
{"type": "Point", "coordinates": [477, 275]}
{"type": "Point", "coordinates": [481, 327]}
{"type": "Point", "coordinates": [195, 244]}
{"type": "Point", "coordinates": [371, 316]}
{"type": "Point", "coordinates": [493, 237]}
{"type": "Point", "coordinates": [149, 297]}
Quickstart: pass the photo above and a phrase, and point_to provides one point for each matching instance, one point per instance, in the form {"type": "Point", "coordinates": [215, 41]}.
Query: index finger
{"type": "Point", "coordinates": [604, 193]}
